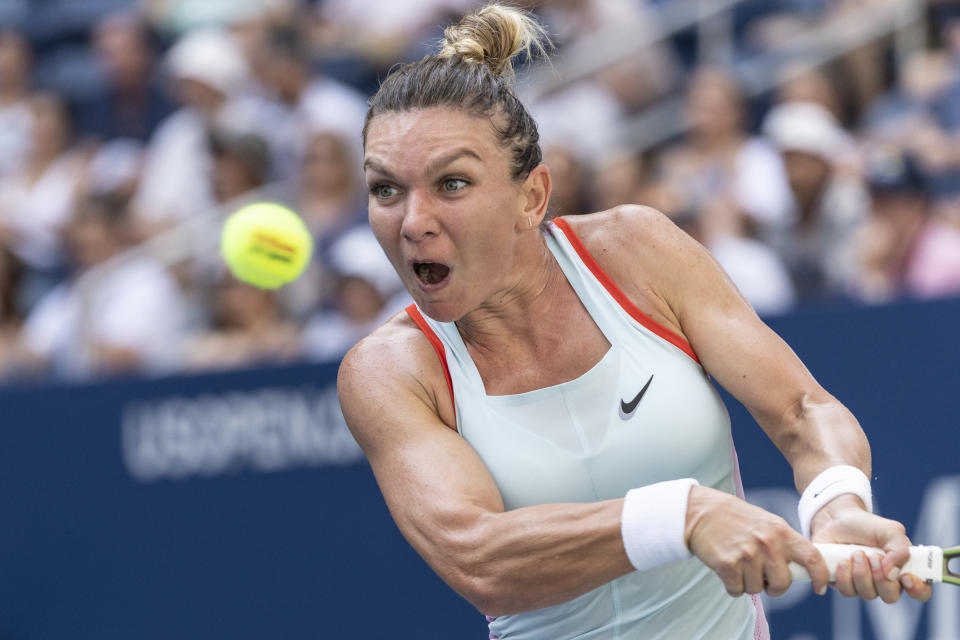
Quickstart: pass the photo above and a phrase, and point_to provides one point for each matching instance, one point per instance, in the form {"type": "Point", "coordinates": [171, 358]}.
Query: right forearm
{"type": "Point", "coordinates": [539, 556]}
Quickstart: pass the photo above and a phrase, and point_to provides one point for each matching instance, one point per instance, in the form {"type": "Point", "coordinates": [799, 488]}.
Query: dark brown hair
{"type": "Point", "coordinates": [473, 72]}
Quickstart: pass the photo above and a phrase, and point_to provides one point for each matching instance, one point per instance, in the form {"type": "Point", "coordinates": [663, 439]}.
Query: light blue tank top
{"type": "Point", "coordinates": [646, 412]}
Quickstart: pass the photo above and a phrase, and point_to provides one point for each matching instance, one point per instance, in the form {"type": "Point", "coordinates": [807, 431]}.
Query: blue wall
{"type": "Point", "coordinates": [235, 505]}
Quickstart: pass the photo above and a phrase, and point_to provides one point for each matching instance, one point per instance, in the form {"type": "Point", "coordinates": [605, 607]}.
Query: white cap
{"type": "Point", "coordinates": [211, 57]}
{"type": "Point", "coordinates": [357, 254]}
{"type": "Point", "coordinates": [116, 163]}
{"type": "Point", "coordinates": [806, 127]}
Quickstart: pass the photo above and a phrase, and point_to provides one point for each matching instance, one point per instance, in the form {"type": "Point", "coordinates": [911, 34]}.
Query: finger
{"type": "Point", "coordinates": [732, 576]}
{"type": "Point", "coordinates": [804, 553]}
{"type": "Point", "coordinates": [863, 576]}
{"type": "Point", "coordinates": [888, 590]}
{"type": "Point", "coordinates": [753, 575]}
{"type": "Point", "coordinates": [916, 588]}
{"type": "Point", "coordinates": [734, 584]}
{"type": "Point", "coordinates": [776, 578]}
{"type": "Point", "coordinates": [894, 559]}
{"type": "Point", "coordinates": [843, 579]}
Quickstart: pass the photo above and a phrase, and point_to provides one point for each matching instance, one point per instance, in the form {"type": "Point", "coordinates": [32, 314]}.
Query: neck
{"type": "Point", "coordinates": [523, 312]}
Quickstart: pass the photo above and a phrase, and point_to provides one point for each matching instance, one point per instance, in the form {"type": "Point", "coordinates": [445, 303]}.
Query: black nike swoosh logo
{"type": "Point", "coordinates": [627, 408]}
{"type": "Point", "coordinates": [817, 494]}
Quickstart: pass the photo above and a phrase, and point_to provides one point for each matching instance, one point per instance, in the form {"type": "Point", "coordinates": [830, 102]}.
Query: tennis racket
{"type": "Point", "coordinates": [927, 563]}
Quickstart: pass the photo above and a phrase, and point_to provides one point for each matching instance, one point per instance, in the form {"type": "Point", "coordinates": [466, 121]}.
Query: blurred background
{"type": "Point", "coordinates": [811, 145]}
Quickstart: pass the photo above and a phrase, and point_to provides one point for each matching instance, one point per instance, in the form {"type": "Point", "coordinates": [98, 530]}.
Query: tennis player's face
{"type": "Point", "coordinates": [444, 207]}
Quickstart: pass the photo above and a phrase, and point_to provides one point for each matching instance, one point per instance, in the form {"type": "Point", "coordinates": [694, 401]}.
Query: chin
{"type": "Point", "coordinates": [441, 311]}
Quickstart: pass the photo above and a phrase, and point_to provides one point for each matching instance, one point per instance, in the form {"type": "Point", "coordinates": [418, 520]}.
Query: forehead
{"type": "Point", "coordinates": [411, 139]}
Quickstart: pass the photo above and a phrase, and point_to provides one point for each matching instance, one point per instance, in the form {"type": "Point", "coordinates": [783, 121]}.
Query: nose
{"type": "Point", "coordinates": [419, 217]}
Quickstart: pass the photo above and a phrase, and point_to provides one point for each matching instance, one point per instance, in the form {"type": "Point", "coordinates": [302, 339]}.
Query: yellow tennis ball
{"type": "Point", "coordinates": [266, 244]}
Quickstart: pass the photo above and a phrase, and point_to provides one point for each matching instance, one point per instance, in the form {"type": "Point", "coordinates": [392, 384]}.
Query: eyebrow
{"type": "Point", "coordinates": [430, 168]}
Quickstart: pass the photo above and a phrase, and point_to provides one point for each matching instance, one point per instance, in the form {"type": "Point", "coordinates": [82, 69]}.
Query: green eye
{"type": "Point", "coordinates": [383, 191]}
{"type": "Point", "coordinates": [451, 185]}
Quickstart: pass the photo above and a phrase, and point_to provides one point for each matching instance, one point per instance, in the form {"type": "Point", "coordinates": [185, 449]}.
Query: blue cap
{"type": "Point", "coordinates": [889, 169]}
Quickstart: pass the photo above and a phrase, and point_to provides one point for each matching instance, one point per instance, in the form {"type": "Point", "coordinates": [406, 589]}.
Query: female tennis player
{"type": "Point", "coordinates": [565, 463]}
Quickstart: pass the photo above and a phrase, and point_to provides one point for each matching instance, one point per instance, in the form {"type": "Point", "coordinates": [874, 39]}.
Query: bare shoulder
{"type": "Point", "coordinates": [645, 254]}
{"type": "Point", "coordinates": [393, 370]}
{"type": "Point", "coordinates": [628, 230]}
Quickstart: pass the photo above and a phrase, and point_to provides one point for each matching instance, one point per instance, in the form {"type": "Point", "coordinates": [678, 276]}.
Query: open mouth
{"type": "Point", "coordinates": [430, 272]}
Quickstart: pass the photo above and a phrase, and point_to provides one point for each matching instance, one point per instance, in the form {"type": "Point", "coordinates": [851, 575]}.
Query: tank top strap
{"type": "Point", "coordinates": [606, 303]}
{"type": "Point", "coordinates": [458, 365]}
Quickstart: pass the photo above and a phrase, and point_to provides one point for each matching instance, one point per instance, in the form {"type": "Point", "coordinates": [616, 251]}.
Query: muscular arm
{"type": "Point", "coordinates": [445, 502]}
{"type": "Point", "coordinates": [681, 286]}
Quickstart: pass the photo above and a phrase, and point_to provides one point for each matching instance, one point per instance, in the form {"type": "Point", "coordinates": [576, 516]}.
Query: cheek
{"type": "Point", "coordinates": [386, 229]}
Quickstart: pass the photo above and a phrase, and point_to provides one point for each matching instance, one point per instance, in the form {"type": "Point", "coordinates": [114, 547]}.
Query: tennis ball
{"type": "Point", "coordinates": [265, 244]}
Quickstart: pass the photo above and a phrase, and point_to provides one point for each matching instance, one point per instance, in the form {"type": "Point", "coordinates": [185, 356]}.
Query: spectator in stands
{"type": "Point", "coordinates": [331, 195]}
{"type": "Point", "coordinates": [906, 251]}
{"type": "Point", "coordinates": [131, 318]}
{"type": "Point", "coordinates": [914, 115]}
{"type": "Point", "coordinates": [241, 163]}
{"type": "Point", "coordinates": [36, 201]}
{"type": "Point", "coordinates": [331, 198]}
{"type": "Point", "coordinates": [368, 292]}
{"type": "Point", "coordinates": [801, 83]}
{"type": "Point", "coordinates": [15, 118]}
{"type": "Point", "coordinates": [375, 34]}
{"type": "Point", "coordinates": [133, 101]}
{"type": "Point", "coordinates": [302, 99]}
{"type": "Point", "coordinates": [621, 176]}
{"type": "Point", "coordinates": [719, 159]}
{"type": "Point", "coordinates": [248, 328]}
{"type": "Point", "coordinates": [114, 169]}
{"type": "Point", "coordinates": [571, 181]}
{"type": "Point", "coordinates": [634, 81]}
{"type": "Point", "coordinates": [584, 117]}
{"type": "Point", "coordinates": [828, 201]}
{"type": "Point", "coordinates": [756, 270]}
{"type": "Point", "coordinates": [212, 83]}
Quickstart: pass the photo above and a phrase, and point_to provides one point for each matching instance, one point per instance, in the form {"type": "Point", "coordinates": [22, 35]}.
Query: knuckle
{"type": "Point", "coordinates": [782, 528]}
{"type": "Point", "coordinates": [890, 596]}
{"type": "Point", "coordinates": [812, 558]}
{"type": "Point", "coordinates": [728, 573]}
{"type": "Point", "coordinates": [780, 583]}
{"type": "Point", "coordinates": [740, 555]}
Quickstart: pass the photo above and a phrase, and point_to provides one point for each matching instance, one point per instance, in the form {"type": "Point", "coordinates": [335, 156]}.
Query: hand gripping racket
{"type": "Point", "coordinates": [927, 563]}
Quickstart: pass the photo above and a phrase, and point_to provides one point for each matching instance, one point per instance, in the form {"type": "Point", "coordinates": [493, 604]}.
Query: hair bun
{"type": "Point", "coordinates": [492, 36]}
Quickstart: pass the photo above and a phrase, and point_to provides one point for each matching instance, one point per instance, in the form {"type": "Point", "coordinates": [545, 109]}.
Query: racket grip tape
{"type": "Point", "coordinates": [925, 562]}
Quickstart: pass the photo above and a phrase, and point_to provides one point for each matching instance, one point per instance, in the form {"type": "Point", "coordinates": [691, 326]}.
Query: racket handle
{"type": "Point", "coordinates": [925, 562]}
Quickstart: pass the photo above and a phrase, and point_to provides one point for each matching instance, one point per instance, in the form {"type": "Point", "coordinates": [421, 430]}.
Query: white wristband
{"type": "Point", "coordinates": [653, 521]}
{"type": "Point", "coordinates": [831, 483]}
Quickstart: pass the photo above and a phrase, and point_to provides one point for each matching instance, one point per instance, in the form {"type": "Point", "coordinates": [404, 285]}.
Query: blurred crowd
{"type": "Point", "coordinates": [121, 120]}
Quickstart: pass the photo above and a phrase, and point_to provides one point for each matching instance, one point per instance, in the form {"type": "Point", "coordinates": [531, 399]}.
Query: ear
{"type": "Point", "coordinates": [535, 194]}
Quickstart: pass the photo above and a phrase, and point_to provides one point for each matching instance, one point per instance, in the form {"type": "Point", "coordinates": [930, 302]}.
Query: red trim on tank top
{"type": "Point", "coordinates": [619, 296]}
{"type": "Point", "coordinates": [434, 339]}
